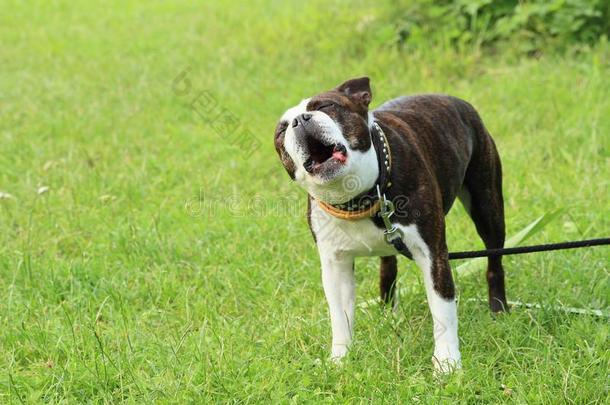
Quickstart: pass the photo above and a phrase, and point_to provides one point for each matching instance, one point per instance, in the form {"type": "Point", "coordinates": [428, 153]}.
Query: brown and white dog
{"type": "Point", "coordinates": [423, 151]}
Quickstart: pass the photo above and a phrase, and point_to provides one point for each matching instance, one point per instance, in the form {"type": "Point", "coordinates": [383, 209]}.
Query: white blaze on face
{"type": "Point", "coordinates": [290, 143]}
{"type": "Point", "coordinates": [357, 175]}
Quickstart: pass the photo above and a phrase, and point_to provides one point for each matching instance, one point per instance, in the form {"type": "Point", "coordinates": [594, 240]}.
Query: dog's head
{"type": "Point", "coordinates": [325, 144]}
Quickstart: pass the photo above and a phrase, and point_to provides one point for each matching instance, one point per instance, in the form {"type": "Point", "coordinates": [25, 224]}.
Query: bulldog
{"type": "Point", "coordinates": [418, 152]}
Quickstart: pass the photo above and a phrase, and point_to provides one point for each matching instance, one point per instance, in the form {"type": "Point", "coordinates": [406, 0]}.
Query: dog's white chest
{"type": "Point", "coordinates": [352, 238]}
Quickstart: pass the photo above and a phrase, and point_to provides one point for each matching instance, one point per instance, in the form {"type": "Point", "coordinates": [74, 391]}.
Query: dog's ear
{"type": "Point", "coordinates": [358, 89]}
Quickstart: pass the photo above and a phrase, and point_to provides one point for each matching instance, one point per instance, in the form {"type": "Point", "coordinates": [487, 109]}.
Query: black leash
{"type": "Point", "coordinates": [402, 248]}
{"type": "Point", "coordinates": [393, 235]}
{"type": "Point", "coordinates": [529, 249]}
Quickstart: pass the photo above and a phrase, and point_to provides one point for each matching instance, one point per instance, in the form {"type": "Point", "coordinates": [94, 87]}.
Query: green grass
{"type": "Point", "coordinates": [146, 274]}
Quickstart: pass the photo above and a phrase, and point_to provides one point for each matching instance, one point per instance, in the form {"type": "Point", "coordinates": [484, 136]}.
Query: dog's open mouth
{"type": "Point", "coordinates": [321, 154]}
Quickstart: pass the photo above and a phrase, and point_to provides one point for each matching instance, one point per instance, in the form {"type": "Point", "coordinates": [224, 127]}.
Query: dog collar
{"type": "Point", "coordinates": [367, 204]}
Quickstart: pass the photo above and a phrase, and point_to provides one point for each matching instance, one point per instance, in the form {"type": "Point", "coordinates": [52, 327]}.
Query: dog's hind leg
{"type": "Point", "coordinates": [483, 200]}
{"type": "Point", "coordinates": [387, 280]}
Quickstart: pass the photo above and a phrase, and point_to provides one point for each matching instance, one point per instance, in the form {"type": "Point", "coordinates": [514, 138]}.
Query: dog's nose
{"type": "Point", "coordinates": [301, 119]}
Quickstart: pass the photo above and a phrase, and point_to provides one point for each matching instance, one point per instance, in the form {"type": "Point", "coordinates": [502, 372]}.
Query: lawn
{"type": "Point", "coordinates": [151, 252]}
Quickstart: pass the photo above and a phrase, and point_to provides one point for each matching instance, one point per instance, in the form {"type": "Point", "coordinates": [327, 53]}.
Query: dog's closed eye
{"type": "Point", "coordinates": [281, 128]}
{"type": "Point", "coordinates": [324, 106]}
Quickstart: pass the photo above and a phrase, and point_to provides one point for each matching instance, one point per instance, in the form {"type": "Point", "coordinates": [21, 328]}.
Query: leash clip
{"type": "Point", "coordinates": [386, 210]}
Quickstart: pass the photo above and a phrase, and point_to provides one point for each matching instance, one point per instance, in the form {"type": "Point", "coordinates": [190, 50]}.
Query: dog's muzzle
{"type": "Point", "coordinates": [322, 152]}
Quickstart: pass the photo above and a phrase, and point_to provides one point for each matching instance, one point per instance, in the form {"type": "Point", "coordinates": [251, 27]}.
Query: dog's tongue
{"type": "Point", "coordinates": [338, 155]}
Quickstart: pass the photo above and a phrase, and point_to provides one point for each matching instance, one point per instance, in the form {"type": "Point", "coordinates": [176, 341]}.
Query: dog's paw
{"type": "Point", "coordinates": [446, 363]}
{"type": "Point", "coordinates": [338, 353]}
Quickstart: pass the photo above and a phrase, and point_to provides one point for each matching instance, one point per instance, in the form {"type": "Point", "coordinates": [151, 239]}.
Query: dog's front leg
{"type": "Point", "coordinates": [438, 282]}
{"type": "Point", "coordinates": [440, 292]}
{"type": "Point", "coordinates": [339, 288]}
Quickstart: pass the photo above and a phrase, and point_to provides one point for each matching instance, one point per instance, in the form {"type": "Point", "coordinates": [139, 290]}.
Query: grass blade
{"type": "Point", "coordinates": [475, 265]}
